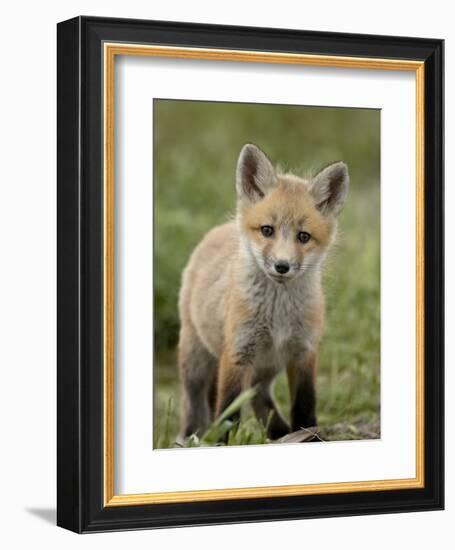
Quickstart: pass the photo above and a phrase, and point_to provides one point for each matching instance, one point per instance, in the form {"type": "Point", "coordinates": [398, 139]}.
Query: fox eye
{"type": "Point", "coordinates": [303, 236]}
{"type": "Point", "coordinates": [267, 230]}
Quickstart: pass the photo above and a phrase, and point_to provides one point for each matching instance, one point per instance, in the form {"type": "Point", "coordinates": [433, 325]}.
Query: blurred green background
{"type": "Point", "coordinates": [196, 145]}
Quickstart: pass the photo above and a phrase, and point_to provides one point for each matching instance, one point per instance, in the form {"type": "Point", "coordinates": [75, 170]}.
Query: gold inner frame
{"type": "Point", "coordinates": [109, 52]}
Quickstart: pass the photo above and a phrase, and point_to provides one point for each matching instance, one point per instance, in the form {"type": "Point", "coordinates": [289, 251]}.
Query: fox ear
{"type": "Point", "coordinates": [330, 187]}
{"type": "Point", "coordinates": [255, 174]}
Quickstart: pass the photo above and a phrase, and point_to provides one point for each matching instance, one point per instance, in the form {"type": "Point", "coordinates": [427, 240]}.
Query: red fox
{"type": "Point", "coordinates": [251, 301]}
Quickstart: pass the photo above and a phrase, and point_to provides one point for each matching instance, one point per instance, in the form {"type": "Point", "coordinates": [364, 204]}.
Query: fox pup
{"type": "Point", "coordinates": [251, 301]}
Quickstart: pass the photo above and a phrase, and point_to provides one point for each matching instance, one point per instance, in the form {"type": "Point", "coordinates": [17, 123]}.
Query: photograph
{"type": "Point", "coordinates": [266, 273]}
{"type": "Point", "coordinates": [250, 269]}
{"type": "Point", "coordinates": [223, 275]}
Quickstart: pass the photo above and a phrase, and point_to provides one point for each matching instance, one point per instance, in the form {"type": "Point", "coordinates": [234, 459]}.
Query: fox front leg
{"type": "Point", "coordinates": [264, 405]}
{"type": "Point", "coordinates": [230, 383]}
{"type": "Point", "coordinates": [301, 376]}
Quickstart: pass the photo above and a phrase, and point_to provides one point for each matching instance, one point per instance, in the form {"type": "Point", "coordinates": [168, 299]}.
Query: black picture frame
{"type": "Point", "coordinates": [80, 476]}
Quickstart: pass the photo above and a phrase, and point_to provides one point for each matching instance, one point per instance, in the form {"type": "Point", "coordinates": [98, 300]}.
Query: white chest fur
{"type": "Point", "coordinates": [281, 326]}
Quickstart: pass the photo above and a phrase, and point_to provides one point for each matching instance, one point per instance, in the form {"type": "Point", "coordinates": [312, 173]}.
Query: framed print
{"type": "Point", "coordinates": [250, 274]}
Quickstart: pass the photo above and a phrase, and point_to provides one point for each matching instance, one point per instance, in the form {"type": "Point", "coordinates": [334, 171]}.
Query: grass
{"type": "Point", "coordinates": [196, 146]}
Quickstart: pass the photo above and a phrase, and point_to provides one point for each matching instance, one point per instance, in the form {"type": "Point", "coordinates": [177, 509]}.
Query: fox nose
{"type": "Point", "coordinates": [282, 267]}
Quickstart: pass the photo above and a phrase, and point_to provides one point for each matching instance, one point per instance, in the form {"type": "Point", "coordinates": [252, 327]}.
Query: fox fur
{"type": "Point", "coordinates": [251, 301]}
